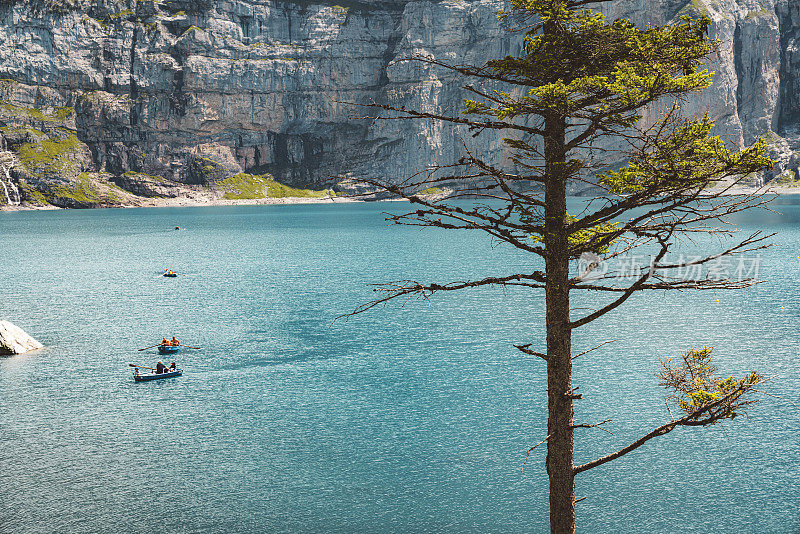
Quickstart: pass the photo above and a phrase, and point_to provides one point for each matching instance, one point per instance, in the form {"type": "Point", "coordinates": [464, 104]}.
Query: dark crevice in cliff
{"type": "Point", "coordinates": [789, 73]}
{"type": "Point", "coordinates": [188, 6]}
{"type": "Point", "coordinates": [105, 61]}
{"type": "Point", "coordinates": [296, 157]}
{"type": "Point", "coordinates": [176, 27]}
{"type": "Point", "coordinates": [178, 98]}
{"type": "Point", "coordinates": [388, 55]}
{"type": "Point", "coordinates": [390, 52]}
{"type": "Point", "coordinates": [246, 23]}
{"type": "Point", "coordinates": [738, 67]}
{"type": "Point", "coordinates": [134, 88]}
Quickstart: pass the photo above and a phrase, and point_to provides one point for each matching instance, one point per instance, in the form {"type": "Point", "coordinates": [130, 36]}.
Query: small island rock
{"type": "Point", "coordinates": [14, 340]}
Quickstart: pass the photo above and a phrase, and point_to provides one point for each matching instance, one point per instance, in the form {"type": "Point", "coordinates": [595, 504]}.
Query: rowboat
{"type": "Point", "coordinates": [168, 349]}
{"type": "Point", "coordinates": [170, 275]}
{"type": "Point", "coordinates": [153, 376]}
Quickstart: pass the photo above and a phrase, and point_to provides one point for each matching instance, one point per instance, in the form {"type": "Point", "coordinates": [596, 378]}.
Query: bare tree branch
{"type": "Point", "coordinates": [660, 431]}
{"type": "Point", "coordinates": [595, 425]}
{"type": "Point", "coordinates": [531, 449]}
{"type": "Point", "coordinates": [412, 288]}
{"type": "Point", "coordinates": [593, 348]}
{"type": "Point", "coordinates": [526, 350]}
{"type": "Point", "coordinates": [627, 292]}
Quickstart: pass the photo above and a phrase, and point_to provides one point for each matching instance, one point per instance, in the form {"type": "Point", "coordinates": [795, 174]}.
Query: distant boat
{"type": "Point", "coordinates": [156, 376]}
{"type": "Point", "coordinates": [168, 349]}
{"type": "Point", "coordinates": [170, 274]}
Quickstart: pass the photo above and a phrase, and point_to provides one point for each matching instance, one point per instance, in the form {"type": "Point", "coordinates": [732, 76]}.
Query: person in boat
{"type": "Point", "coordinates": [160, 368]}
{"type": "Point", "coordinates": [171, 367]}
{"type": "Point", "coordinates": [174, 342]}
{"type": "Point", "coordinates": [164, 341]}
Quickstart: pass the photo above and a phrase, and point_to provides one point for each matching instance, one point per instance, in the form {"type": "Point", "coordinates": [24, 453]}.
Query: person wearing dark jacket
{"type": "Point", "coordinates": [160, 368]}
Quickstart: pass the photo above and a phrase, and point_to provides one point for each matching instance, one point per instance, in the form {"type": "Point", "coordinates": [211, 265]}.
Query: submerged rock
{"type": "Point", "coordinates": [14, 340]}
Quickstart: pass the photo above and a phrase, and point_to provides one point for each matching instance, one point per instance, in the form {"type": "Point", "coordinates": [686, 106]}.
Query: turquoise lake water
{"type": "Point", "coordinates": [410, 418]}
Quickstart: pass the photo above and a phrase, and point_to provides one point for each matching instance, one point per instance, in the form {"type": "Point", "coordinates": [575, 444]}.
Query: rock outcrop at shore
{"type": "Point", "coordinates": [14, 340]}
{"type": "Point", "coordinates": [103, 102]}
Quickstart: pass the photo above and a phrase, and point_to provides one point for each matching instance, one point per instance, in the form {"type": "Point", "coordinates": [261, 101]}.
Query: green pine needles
{"type": "Point", "coordinates": [698, 392]}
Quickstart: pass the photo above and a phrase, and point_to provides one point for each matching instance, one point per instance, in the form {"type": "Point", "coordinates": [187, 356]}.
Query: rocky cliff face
{"type": "Point", "coordinates": [104, 101]}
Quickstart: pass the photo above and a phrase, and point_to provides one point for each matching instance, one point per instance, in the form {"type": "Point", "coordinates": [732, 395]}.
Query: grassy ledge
{"type": "Point", "coordinates": [51, 157]}
{"type": "Point", "coordinates": [245, 186]}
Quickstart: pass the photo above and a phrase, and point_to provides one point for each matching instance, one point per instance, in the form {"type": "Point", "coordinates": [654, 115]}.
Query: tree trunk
{"type": "Point", "coordinates": [560, 454]}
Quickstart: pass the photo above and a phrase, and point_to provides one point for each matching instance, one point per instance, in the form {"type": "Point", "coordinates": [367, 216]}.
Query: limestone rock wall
{"type": "Point", "coordinates": [158, 87]}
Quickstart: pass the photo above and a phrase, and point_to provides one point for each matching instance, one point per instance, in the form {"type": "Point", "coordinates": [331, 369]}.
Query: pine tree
{"type": "Point", "coordinates": [579, 80]}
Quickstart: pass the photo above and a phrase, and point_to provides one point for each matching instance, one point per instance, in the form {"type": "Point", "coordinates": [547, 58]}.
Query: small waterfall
{"type": "Point", "coordinates": [14, 199]}
{"type": "Point", "coordinates": [9, 188]}
{"type": "Point", "coordinates": [5, 190]}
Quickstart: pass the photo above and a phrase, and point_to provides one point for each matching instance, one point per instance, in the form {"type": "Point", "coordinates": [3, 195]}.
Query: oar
{"type": "Point", "coordinates": [188, 347]}
{"type": "Point", "coordinates": [150, 347]}
{"type": "Point", "coordinates": [141, 366]}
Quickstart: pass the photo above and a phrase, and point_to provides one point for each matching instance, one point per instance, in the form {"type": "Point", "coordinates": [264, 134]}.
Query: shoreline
{"type": "Point", "coordinates": [181, 202]}
{"type": "Point", "coordinates": [185, 202]}
{"type": "Point", "coordinates": [756, 191]}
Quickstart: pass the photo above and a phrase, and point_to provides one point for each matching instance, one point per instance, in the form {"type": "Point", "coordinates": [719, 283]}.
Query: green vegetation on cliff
{"type": "Point", "coordinates": [31, 195]}
{"type": "Point", "coordinates": [21, 132]}
{"type": "Point", "coordinates": [431, 191]}
{"type": "Point", "coordinates": [86, 191]}
{"type": "Point", "coordinates": [58, 114]}
{"type": "Point", "coordinates": [694, 9]}
{"type": "Point", "coordinates": [787, 179]}
{"type": "Point", "coordinates": [250, 186]}
{"type": "Point", "coordinates": [51, 156]}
